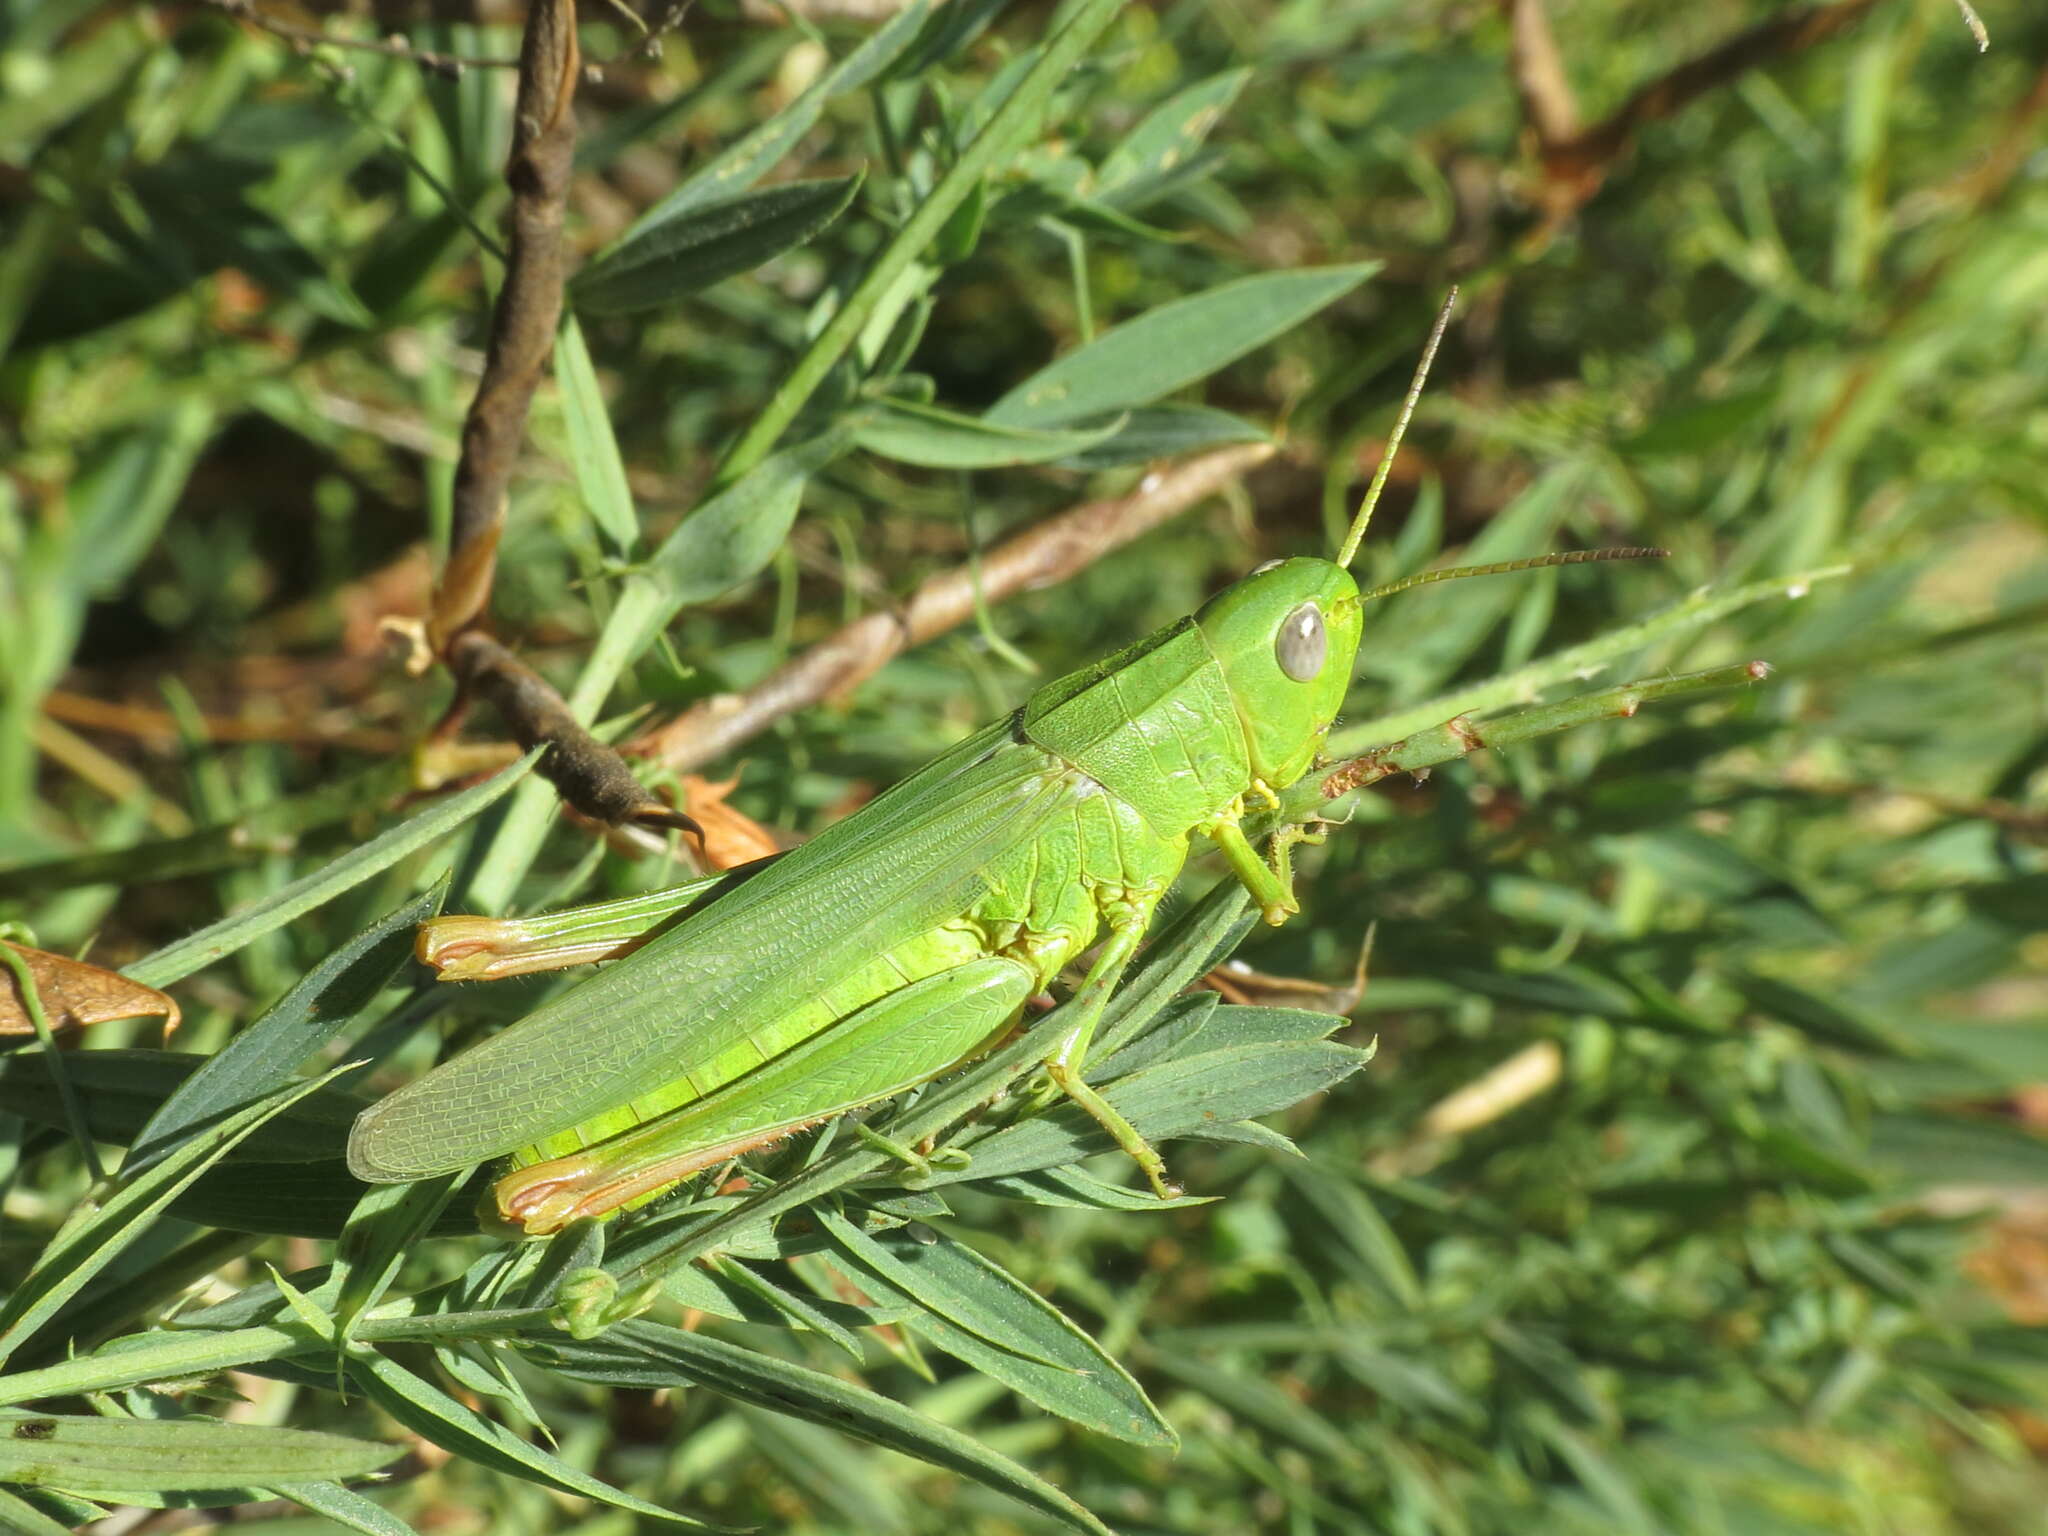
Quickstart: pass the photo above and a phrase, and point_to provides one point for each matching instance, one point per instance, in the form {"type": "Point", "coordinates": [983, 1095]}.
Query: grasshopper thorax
{"type": "Point", "coordinates": [1285, 638]}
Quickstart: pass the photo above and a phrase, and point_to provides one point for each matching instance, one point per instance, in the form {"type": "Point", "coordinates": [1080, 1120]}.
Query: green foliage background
{"type": "Point", "coordinates": [1771, 966]}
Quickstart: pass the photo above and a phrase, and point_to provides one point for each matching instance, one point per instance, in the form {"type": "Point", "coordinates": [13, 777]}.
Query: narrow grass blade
{"type": "Point", "coordinates": [1176, 1098]}
{"type": "Point", "coordinates": [176, 961]}
{"type": "Point", "coordinates": [594, 456]}
{"type": "Point", "coordinates": [981, 1314]}
{"type": "Point", "coordinates": [746, 162]}
{"type": "Point", "coordinates": [432, 1414]}
{"type": "Point", "coordinates": [1173, 345]}
{"type": "Point", "coordinates": [1155, 157]}
{"type": "Point", "coordinates": [92, 1240]}
{"type": "Point", "coordinates": [347, 1509]}
{"type": "Point", "coordinates": [940, 439]}
{"type": "Point", "coordinates": [24, 1519]}
{"type": "Point", "coordinates": [670, 259]}
{"type": "Point", "coordinates": [270, 1050]}
{"type": "Point", "coordinates": [644, 1354]}
{"type": "Point", "coordinates": [87, 1453]}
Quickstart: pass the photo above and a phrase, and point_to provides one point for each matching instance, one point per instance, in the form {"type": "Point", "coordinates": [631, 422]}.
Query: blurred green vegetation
{"type": "Point", "coordinates": [1697, 1183]}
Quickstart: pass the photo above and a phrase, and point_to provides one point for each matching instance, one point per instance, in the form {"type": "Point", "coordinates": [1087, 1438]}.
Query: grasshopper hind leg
{"type": "Point", "coordinates": [905, 1038]}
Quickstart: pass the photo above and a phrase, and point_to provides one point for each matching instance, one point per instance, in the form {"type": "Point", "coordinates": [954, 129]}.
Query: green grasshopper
{"type": "Point", "coordinates": [914, 932]}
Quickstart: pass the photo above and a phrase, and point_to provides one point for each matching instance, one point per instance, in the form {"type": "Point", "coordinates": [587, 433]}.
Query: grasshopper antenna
{"type": "Point", "coordinates": [1533, 563]}
{"type": "Point", "coordinates": [1379, 476]}
{"type": "Point", "coordinates": [1379, 483]}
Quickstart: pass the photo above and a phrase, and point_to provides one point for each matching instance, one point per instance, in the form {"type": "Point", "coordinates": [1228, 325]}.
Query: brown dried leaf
{"type": "Point", "coordinates": [75, 994]}
{"type": "Point", "coordinates": [1239, 983]}
{"type": "Point", "coordinates": [730, 838]}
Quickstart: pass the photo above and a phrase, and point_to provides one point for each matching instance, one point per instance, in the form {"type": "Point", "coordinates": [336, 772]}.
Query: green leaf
{"type": "Point", "coordinates": [644, 1354]}
{"type": "Point", "coordinates": [1576, 662]}
{"type": "Point", "coordinates": [325, 1002]}
{"type": "Point", "coordinates": [85, 1454]}
{"type": "Point", "coordinates": [1460, 616]}
{"type": "Point", "coordinates": [594, 456]}
{"type": "Point", "coordinates": [244, 840]}
{"type": "Point", "coordinates": [1165, 432]}
{"type": "Point", "coordinates": [345, 1508]}
{"type": "Point", "coordinates": [739, 167]}
{"type": "Point", "coordinates": [123, 1089]}
{"type": "Point", "coordinates": [1610, 1487]}
{"type": "Point", "coordinates": [1931, 1149]}
{"type": "Point", "coordinates": [1823, 1018]}
{"type": "Point", "coordinates": [165, 1355]}
{"type": "Point", "coordinates": [176, 961]}
{"type": "Point", "coordinates": [387, 1224]}
{"type": "Point", "coordinates": [1552, 1367]}
{"type": "Point", "coordinates": [198, 219]}
{"type": "Point", "coordinates": [432, 1414]}
{"type": "Point", "coordinates": [1362, 1235]}
{"type": "Point", "coordinates": [981, 1314]}
{"type": "Point", "coordinates": [792, 1309]}
{"type": "Point", "coordinates": [1415, 1385]}
{"type": "Point", "coordinates": [942, 439]}
{"type": "Point", "coordinates": [1073, 1189]}
{"type": "Point", "coordinates": [1702, 426]}
{"type": "Point", "coordinates": [289, 1177]}
{"type": "Point", "coordinates": [1169, 1033]}
{"type": "Point", "coordinates": [1260, 1402]}
{"type": "Point", "coordinates": [1186, 1097]}
{"type": "Point", "coordinates": [1022, 107]}
{"type": "Point", "coordinates": [734, 535]}
{"type": "Point", "coordinates": [96, 1234]}
{"type": "Point", "coordinates": [304, 1199]}
{"type": "Point", "coordinates": [56, 568]}
{"type": "Point", "coordinates": [1173, 345]}
{"type": "Point", "coordinates": [1198, 1022]}
{"type": "Point", "coordinates": [1154, 157]}
{"type": "Point", "coordinates": [1192, 943]}
{"type": "Point", "coordinates": [689, 251]}
{"type": "Point", "coordinates": [22, 1518]}
{"type": "Point", "coordinates": [951, 28]}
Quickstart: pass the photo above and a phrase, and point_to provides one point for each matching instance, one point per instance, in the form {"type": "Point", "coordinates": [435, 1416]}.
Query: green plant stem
{"type": "Point", "coordinates": [1460, 736]}
{"type": "Point", "coordinates": [171, 1354]}
{"type": "Point", "coordinates": [1004, 128]}
{"type": "Point", "coordinates": [103, 1313]}
{"type": "Point", "coordinates": [1579, 661]}
{"type": "Point", "coordinates": [39, 1021]}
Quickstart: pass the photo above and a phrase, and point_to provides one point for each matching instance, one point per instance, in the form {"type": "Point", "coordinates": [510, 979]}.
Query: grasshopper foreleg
{"type": "Point", "coordinates": [1281, 851]}
{"type": "Point", "coordinates": [1271, 884]}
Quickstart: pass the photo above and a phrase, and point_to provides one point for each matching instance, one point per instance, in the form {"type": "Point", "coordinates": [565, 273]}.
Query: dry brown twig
{"type": "Point", "coordinates": [589, 774]}
{"type": "Point", "coordinates": [396, 46]}
{"type": "Point", "coordinates": [1575, 161]}
{"type": "Point", "coordinates": [160, 727]}
{"type": "Point", "coordinates": [1547, 101]}
{"type": "Point", "coordinates": [523, 320]}
{"type": "Point", "coordinates": [778, 12]}
{"type": "Point", "coordinates": [1047, 553]}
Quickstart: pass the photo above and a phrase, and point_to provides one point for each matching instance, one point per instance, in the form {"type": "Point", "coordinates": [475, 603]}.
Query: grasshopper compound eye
{"type": "Point", "coordinates": [1301, 644]}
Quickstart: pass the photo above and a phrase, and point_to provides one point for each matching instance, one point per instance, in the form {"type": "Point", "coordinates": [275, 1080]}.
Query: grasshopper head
{"type": "Point", "coordinates": [1285, 637]}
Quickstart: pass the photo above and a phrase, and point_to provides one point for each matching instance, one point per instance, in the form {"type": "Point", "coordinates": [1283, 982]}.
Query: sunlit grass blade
{"type": "Point", "coordinates": [176, 961]}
